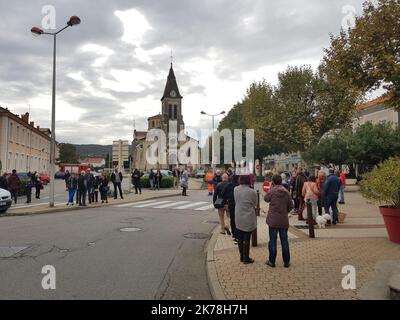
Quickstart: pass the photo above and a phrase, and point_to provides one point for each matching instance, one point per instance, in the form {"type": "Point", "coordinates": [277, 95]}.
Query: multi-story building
{"type": "Point", "coordinates": [23, 146]}
{"type": "Point", "coordinates": [376, 111]}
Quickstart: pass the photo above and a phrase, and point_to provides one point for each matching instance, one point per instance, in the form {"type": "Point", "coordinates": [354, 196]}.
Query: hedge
{"type": "Point", "coordinates": [166, 182]}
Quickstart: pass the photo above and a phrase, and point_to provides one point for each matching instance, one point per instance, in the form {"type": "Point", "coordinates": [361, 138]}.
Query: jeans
{"type": "Point", "coordinates": [151, 184]}
{"type": "Point", "coordinates": [243, 235]}
{"type": "Point", "coordinates": [231, 208]}
{"type": "Point", "coordinates": [138, 188]}
{"type": "Point", "coordinates": [341, 194]}
{"type": "Point", "coordinates": [272, 245]}
{"type": "Point", "coordinates": [14, 195]}
{"type": "Point", "coordinates": [331, 202]}
{"type": "Point", "coordinates": [37, 194]}
{"type": "Point", "coordinates": [117, 185]}
{"type": "Point", "coordinates": [71, 195]}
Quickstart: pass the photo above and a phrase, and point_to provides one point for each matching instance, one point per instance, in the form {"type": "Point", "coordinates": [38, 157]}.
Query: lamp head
{"type": "Point", "coordinates": [37, 31]}
{"type": "Point", "coordinates": [73, 21]}
{"type": "Point", "coordinates": [202, 112]}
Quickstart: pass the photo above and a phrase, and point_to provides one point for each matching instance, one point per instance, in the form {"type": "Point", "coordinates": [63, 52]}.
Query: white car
{"type": "Point", "coordinates": [5, 200]}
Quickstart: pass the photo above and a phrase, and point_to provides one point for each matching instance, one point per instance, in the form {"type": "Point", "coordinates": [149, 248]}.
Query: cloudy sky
{"type": "Point", "coordinates": [112, 68]}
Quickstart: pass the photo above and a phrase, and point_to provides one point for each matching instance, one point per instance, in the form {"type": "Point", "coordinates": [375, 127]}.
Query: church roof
{"type": "Point", "coordinates": [155, 117]}
{"type": "Point", "coordinates": [171, 86]}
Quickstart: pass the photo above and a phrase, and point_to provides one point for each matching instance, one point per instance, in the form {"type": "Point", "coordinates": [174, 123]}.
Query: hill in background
{"type": "Point", "coordinates": [92, 150]}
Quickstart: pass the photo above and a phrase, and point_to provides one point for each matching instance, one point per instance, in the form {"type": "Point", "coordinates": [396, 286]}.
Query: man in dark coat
{"type": "Point", "coordinates": [14, 184]}
{"type": "Point", "coordinates": [116, 179]}
{"type": "Point", "coordinates": [3, 182]}
{"type": "Point", "coordinates": [136, 175]}
{"type": "Point", "coordinates": [82, 187]}
{"type": "Point", "coordinates": [300, 179]}
{"type": "Point", "coordinates": [331, 190]}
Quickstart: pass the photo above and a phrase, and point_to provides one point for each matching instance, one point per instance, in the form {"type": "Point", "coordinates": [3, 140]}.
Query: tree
{"type": "Point", "coordinates": [367, 57]}
{"type": "Point", "coordinates": [68, 153]}
{"type": "Point", "coordinates": [366, 146]}
{"type": "Point", "coordinates": [308, 106]}
{"type": "Point", "coordinates": [371, 144]}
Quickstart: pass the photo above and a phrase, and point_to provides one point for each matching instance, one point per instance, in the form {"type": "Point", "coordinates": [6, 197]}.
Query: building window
{"type": "Point", "coordinates": [175, 112]}
{"type": "Point", "coordinates": [170, 111]}
{"type": "Point", "coordinates": [11, 131]}
{"type": "Point", "coordinates": [17, 137]}
{"type": "Point", "coordinates": [16, 162]}
{"type": "Point", "coordinates": [9, 161]}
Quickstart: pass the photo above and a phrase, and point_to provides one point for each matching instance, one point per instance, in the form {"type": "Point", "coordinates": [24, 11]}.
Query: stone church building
{"type": "Point", "coordinates": [171, 115]}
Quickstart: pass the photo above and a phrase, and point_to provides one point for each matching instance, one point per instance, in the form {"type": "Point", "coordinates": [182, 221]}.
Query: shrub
{"type": "Point", "coordinates": [260, 179]}
{"type": "Point", "coordinates": [166, 182]}
{"type": "Point", "coordinates": [382, 185]}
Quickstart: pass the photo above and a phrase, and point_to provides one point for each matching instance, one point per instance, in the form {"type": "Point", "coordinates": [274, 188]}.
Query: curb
{"type": "Point", "coordinates": [77, 208]}
{"type": "Point", "coordinates": [212, 276]}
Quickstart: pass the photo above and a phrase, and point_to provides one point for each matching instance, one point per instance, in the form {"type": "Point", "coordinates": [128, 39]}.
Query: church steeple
{"type": "Point", "coordinates": [171, 88]}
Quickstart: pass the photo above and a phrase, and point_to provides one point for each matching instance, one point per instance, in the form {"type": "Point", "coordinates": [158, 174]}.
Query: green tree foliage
{"type": "Point", "coordinates": [367, 146]}
{"type": "Point", "coordinates": [367, 57]}
{"type": "Point", "coordinates": [371, 144]}
{"type": "Point", "coordinates": [293, 115]}
{"type": "Point", "coordinates": [382, 185]}
{"type": "Point", "coordinates": [68, 153]}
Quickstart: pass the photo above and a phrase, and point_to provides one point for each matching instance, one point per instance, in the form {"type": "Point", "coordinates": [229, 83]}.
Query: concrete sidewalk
{"type": "Point", "coordinates": [316, 264]}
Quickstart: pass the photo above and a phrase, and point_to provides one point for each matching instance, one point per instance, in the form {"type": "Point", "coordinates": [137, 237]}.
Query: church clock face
{"type": "Point", "coordinates": [173, 94]}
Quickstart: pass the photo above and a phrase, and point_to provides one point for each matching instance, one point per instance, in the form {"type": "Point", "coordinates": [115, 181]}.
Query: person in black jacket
{"type": "Point", "coordinates": [136, 175]}
{"type": "Point", "coordinates": [3, 182]}
{"type": "Point", "coordinates": [82, 186]}
{"type": "Point", "coordinates": [228, 195]}
{"type": "Point", "coordinates": [222, 208]}
{"type": "Point", "coordinates": [116, 179]}
{"type": "Point", "coordinates": [103, 187]}
{"type": "Point", "coordinates": [72, 185]}
{"type": "Point", "coordinates": [90, 185]}
{"type": "Point", "coordinates": [95, 189]}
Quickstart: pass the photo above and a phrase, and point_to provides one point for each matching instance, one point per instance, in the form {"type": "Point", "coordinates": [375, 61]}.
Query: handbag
{"type": "Point", "coordinates": [219, 203]}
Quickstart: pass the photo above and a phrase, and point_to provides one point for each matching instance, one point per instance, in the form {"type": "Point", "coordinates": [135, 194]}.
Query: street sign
{"type": "Point", "coordinates": [266, 187]}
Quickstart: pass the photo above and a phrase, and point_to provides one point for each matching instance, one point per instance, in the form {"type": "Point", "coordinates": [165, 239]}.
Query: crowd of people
{"type": "Point", "coordinates": [235, 199]}
{"type": "Point", "coordinates": [13, 184]}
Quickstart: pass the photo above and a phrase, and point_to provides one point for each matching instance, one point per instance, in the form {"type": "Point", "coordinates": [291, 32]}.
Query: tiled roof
{"type": "Point", "coordinates": [372, 103]}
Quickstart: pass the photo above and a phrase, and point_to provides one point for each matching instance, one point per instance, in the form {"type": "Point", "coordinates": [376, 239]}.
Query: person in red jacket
{"type": "Point", "coordinates": [14, 184]}
{"type": "Point", "coordinates": [342, 186]}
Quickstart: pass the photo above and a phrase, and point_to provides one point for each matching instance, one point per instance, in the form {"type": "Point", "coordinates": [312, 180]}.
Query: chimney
{"type": "Point", "coordinates": [25, 117]}
{"type": "Point", "coordinates": [38, 127]}
{"type": "Point", "coordinates": [32, 124]}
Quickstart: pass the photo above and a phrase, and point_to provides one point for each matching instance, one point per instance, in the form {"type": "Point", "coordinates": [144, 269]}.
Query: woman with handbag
{"type": "Point", "coordinates": [38, 185]}
{"type": "Point", "coordinates": [184, 183]}
{"type": "Point", "coordinates": [221, 204]}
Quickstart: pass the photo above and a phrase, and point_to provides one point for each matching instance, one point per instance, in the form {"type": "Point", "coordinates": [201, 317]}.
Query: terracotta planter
{"type": "Point", "coordinates": [391, 216]}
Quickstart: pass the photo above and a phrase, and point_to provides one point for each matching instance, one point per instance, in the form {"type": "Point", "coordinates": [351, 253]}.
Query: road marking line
{"type": "Point", "coordinates": [132, 204]}
{"type": "Point", "coordinates": [149, 204]}
{"type": "Point", "coordinates": [34, 205]}
{"type": "Point", "coordinates": [209, 207]}
{"type": "Point", "coordinates": [168, 205]}
{"type": "Point", "coordinates": [191, 205]}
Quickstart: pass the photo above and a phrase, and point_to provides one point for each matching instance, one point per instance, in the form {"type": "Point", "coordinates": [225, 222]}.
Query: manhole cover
{"type": "Point", "coordinates": [197, 236]}
{"type": "Point", "coordinates": [130, 229]}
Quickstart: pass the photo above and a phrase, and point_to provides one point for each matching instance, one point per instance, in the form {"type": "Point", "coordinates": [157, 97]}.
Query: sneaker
{"type": "Point", "coordinates": [270, 264]}
{"type": "Point", "coordinates": [287, 265]}
{"type": "Point", "coordinates": [67, 204]}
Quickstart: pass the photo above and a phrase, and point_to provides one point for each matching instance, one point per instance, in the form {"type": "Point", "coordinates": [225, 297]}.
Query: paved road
{"type": "Point", "coordinates": [95, 260]}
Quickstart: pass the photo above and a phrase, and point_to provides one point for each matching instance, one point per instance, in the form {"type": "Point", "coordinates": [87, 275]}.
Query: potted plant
{"type": "Point", "coordinates": [382, 186]}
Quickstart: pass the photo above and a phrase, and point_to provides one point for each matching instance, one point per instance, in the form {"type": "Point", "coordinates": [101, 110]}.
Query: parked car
{"type": "Point", "coordinates": [59, 175]}
{"type": "Point", "coordinates": [44, 178]}
{"type": "Point", "coordinates": [200, 173]}
{"type": "Point", "coordinates": [23, 176]}
{"type": "Point", "coordinates": [5, 200]}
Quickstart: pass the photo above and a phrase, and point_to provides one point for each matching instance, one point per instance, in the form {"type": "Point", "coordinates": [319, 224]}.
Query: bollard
{"type": "Point", "coordinates": [254, 241]}
{"type": "Point", "coordinates": [310, 220]}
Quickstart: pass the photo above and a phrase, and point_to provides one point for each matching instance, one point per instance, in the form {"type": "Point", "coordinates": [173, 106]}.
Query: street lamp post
{"type": "Point", "coordinates": [74, 20]}
{"type": "Point", "coordinates": [213, 129]}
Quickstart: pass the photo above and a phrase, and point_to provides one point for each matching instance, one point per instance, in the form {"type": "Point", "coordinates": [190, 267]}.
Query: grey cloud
{"type": "Point", "coordinates": [280, 31]}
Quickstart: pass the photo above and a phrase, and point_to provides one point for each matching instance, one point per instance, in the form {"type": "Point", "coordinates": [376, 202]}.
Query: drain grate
{"type": "Point", "coordinates": [130, 229]}
{"type": "Point", "coordinates": [199, 236]}
{"type": "Point", "coordinates": [211, 222]}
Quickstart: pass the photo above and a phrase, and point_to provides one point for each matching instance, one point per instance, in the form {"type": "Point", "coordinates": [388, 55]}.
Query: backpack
{"type": "Point", "coordinates": [309, 192]}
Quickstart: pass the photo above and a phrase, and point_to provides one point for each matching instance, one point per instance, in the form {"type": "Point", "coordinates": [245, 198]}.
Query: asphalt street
{"type": "Point", "coordinates": [94, 259]}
